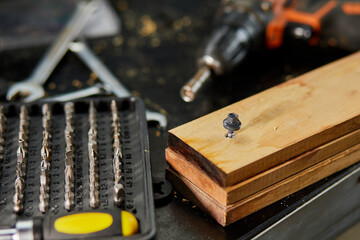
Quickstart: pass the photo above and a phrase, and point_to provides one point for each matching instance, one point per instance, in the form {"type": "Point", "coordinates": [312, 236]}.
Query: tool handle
{"type": "Point", "coordinates": [71, 31]}
{"type": "Point", "coordinates": [317, 22]}
{"type": "Point", "coordinates": [93, 224]}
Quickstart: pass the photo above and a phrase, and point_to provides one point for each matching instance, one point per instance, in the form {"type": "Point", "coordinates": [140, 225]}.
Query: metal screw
{"type": "Point", "coordinates": [232, 124]}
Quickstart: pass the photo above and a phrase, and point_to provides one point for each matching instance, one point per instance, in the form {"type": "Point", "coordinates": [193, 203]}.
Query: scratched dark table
{"type": "Point", "coordinates": [154, 56]}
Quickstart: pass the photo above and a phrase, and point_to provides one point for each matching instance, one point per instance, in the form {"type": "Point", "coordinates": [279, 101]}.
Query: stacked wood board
{"type": "Point", "coordinates": [292, 135]}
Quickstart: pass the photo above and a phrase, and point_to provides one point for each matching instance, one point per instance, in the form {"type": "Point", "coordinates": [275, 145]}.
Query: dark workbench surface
{"type": "Point", "coordinates": [154, 56]}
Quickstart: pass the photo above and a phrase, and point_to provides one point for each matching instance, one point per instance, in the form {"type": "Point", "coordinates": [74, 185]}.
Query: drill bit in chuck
{"type": "Point", "coordinates": [189, 90]}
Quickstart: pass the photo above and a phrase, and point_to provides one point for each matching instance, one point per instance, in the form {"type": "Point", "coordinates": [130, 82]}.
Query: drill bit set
{"type": "Point", "coordinates": [60, 161]}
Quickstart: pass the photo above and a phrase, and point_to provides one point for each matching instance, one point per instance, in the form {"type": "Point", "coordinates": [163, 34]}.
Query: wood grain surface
{"type": "Point", "coordinates": [226, 215]}
{"type": "Point", "coordinates": [232, 194]}
{"type": "Point", "coordinates": [278, 124]}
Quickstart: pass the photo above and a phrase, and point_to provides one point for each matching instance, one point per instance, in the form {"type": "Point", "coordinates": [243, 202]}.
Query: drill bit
{"type": "Point", "coordinates": [93, 158]}
{"type": "Point", "coordinates": [2, 134]}
{"type": "Point", "coordinates": [45, 159]}
{"type": "Point", "coordinates": [92, 116]}
{"type": "Point", "coordinates": [189, 90]}
{"type": "Point", "coordinates": [119, 192]}
{"type": "Point", "coordinates": [117, 141]}
{"type": "Point", "coordinates": [69, 177]}
{"type": "Point", "coordinates": [69, 199]}
{"type": "Point", "coordinates": [69, 156]}
{"type": "Point", "coordinates": [18, 195]}
{"type": "Point", "coordinates": [21, 153]}
{"type": "Point", "coordinates": [2, 119]}
{"type": "Point", "coordinates": [118, 175]}
{"type": "Point", "coordinates": [46, 120]}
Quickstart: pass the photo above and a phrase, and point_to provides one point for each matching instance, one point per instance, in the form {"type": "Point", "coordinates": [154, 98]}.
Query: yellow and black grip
{"type": "Point", "coordinates": [92, 224]}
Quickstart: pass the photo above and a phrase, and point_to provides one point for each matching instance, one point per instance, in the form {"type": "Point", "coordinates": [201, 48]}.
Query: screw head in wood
{"type": "Point", "coordinates": [232, 124]}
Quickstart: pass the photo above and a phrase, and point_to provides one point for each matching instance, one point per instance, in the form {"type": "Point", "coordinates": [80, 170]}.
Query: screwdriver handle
{"type": "Point", "coordinates": [95, 224]}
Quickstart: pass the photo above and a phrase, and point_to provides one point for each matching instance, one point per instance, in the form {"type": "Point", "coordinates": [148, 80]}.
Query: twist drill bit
{"type": "Point", "coordinates": [21, 153]}
{"type": "Point", "coordinates": [92, 140]}
{"type": "Point", "coordinates": [24, 126]}
{"type": "Point", "coordinates": [114, 110]}
{"type": "Point", "coordinates": [69, 177]}
{"type": "Point", "coordinates": [92, 115]}
{"type": "Point", "coordinates": [44, 181]}
{"type": "Point", "coordinates": [43, 200]}
{"type": "Point", "coordinates": [69, 199]}
{"type": "Point", "coordinates": [93, 158]}
{"type": "Point", "coordinates": [69, 109]}
{"type": "Point", "coordinates": [2, 120]}
{"type": "Point", "coordinates": [45, 159]}
{"type": "Point", "coordinates": [18, 195]}
{"type": "Point", "coordinates": [119, 192]}
{"type": "Point", "coordinates": [117, 141]}
{"type": "Point", "coordinates": [21, 160]}
{"type": "Point", "coordinates": [45, 151]}
{"type": "Point", "coordinates": [2, 134]}
{"type": "Point", "coordinates": [46, 120]}
{"type": "Point", "coordinates": [44, 191]}
{"type": "Point", "coordinates": [115, 118]}
{"type": "Point", "coordinates": [19, 186]}
{"type": "Point", "coordinates": [118, 175]}
{"type": "Point", "coordinates": [69, 156]}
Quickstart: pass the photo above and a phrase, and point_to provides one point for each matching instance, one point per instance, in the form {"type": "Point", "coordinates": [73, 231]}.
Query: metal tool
{"type": "Point", "coordinates": [31, 89]}
{"type": "Point", "coordinates": [65, 174]}
{"type": "Point", "coordinates": [69, 156]}
{"type": "Point", "coordinates": [45, 158]}
{"type": "Point", "coordinates": [245, 27]}
{"type": "Point", "coordinates": [103, 73]}
{"type": "Point", "coordinates": [97, 89]}
{"type": "Point", "coordinates": [22, 154]}
{"type": "Point", "coordinates": [110, 82]}
{"type": "Point", "coordinates": [119, 191]}
{"type": "Point", "coordinates": [93, 158]}
{"type": "Point", "coordinates": [232, 124]}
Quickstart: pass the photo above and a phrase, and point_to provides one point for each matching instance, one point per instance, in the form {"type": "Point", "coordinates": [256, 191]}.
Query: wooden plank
{"type": "Point", "coordinates": [232, 194]}
{"type": "Point", "coordinates": [226, 215]}
{"type": "Point", "coordinates": [278, 124]}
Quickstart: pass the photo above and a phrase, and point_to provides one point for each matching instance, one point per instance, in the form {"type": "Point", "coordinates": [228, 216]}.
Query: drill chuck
{"type": "Point", "coordinates": [238, 30]}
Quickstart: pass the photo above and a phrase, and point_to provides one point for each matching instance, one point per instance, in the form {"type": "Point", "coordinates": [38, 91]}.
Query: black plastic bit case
{"type": "Point", "coordinates": [136, 165]}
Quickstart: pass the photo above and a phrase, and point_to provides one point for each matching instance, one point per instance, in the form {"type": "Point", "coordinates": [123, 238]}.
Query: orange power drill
{"type": "Point", "coordinates": [244, 26]}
